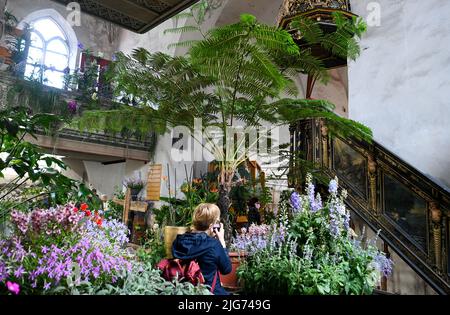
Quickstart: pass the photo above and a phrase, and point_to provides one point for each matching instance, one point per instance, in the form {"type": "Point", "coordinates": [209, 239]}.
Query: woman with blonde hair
{"type": "Point", "coordinates": [205, 243]}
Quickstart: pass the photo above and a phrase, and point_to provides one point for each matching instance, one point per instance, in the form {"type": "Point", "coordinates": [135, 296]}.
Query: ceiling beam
{"type": "Point", "coordinates": [142, 7]}
{"type": "Point", "coordinates": [130, 9]}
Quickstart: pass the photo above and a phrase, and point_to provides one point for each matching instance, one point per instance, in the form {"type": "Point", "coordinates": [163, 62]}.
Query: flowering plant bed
{"type": "Point", "coordinates": [50, 246]}
{"type": "Point", "coordinates": [70, 250]}
{"type": "Point", "coordinates": [310, 250]}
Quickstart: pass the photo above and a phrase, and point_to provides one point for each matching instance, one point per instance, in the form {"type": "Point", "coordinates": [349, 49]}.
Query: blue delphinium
{"type": "Point", "coordinates": [333, 186]}
{"type": "Point", "coordinates": [296, 202]}
{"type": "Point", "coordinates": [383, 264]}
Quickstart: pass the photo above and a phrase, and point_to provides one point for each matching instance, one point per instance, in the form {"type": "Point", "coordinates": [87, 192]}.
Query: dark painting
{"type": "Point", "coordinates": [351, 165]}
{"type": "Point", "coordinates": [407, 210]}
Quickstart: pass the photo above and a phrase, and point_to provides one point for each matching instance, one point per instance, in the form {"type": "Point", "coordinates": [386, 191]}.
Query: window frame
{"type": "Point", "coordinates": [70, 39]}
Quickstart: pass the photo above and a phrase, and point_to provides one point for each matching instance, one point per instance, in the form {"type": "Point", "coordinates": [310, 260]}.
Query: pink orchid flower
{"type": "Point", "coordinates": [13, 287]}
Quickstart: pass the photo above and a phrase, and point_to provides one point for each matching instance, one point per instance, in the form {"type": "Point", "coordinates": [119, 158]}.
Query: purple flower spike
{"type": "Point", "coordinates": [333, 186]}
{"type": "Point", "coordinates": [72, 106]}
{"type": "Point", "coordinates": [296, 202]}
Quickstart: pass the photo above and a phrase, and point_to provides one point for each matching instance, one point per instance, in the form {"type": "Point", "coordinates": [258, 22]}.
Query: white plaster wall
{"type": "Point", "coordinates": [105, 178]}
{"type": "Point", "coordinates": [93, 33]}
{"type": "Point", "coordinates": [400, 86]}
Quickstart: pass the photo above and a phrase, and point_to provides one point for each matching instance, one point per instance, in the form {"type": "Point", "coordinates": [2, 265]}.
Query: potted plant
{"type": "Point", "coordinates": [245, 243]}
{"type": "Point", "coordinates": [135, 184]}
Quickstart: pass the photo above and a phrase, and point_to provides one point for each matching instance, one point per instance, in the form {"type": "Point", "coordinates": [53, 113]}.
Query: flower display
{"type": "Point", "coordinates": [51, 245]}
{"type": "Point", "coordinates": [296, 201]}
{"type": "Point", "coordinates": [259, 237]}
{"type": "Point", "coordinates": [311, 244]}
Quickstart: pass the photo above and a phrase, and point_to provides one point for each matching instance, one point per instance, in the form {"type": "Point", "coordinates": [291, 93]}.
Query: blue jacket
{"type": "Point", "coordinates": [208, 252]}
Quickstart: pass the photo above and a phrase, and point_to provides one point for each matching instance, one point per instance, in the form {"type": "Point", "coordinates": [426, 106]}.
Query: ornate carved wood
{"type": "Point", "coordinates": [410, 209]}
{"type": "Point", "coordinates": [135, 15]}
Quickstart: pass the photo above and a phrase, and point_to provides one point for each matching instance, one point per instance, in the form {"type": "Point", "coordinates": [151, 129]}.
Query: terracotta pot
{"type": "Point", "coordinates": [170, 234]}
{"type": "Point", "coordinates": [242, 219]}
{"type": "Point", "coordinates": [231, 281]}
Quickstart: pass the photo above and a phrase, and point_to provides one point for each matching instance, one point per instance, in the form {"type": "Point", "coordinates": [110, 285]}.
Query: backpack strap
{"type": "Point", "coordinates": [214, 282]}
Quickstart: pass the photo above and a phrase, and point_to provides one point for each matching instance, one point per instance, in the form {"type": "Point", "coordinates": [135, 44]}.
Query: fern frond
{"type": "Point", "coordinates": [186, 43]}
{"type": "Point", "coordinates": [181, 29]}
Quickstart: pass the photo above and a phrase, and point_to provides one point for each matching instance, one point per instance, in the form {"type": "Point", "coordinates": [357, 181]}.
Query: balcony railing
{"type": "Point", "coordinates": [410, 209]}
{"type": "Point", "coordinates": [144, 143]}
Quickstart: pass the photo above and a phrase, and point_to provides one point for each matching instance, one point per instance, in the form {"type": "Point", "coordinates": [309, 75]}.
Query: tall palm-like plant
{"type": "Point", "coordinates": [237, 75]}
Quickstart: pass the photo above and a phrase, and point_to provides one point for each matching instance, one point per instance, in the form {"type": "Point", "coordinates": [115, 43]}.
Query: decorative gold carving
{"type": "Point", "coordinates": [436, 216]}
{"type": "Point", "coordinates": [324, 131]}
{"type": "Point", "coordinates": [372, 168]}
{"type": "Point", "coordinates": [291, 8]}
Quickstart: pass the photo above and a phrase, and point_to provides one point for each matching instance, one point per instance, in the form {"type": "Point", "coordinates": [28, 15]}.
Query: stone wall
{"type": "Point", "coordinates": [94, 33]}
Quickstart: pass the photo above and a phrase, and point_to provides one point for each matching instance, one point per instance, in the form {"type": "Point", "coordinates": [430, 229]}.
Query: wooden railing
{"type": "Point", "coordinates": [410, 209]}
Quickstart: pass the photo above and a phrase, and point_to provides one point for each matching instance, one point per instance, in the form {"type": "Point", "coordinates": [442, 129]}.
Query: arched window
{"type": "Point", "coordinates": [53, 47]}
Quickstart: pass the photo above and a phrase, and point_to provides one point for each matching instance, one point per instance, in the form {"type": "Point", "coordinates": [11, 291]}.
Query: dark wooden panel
{"type": "Point", "coordinates": [138, 16]}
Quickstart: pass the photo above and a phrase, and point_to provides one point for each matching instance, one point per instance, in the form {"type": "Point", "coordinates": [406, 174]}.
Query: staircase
{"type": "Point", "coordinates": [410, 209]}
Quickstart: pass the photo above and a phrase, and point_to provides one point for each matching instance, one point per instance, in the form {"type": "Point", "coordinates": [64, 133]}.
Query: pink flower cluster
{"type": "Point", "coordinates": [49, 221]}
{"type": "Point", "coordinates": [21, 220]}
{"type": "Point", "coordinates": [256, 230]}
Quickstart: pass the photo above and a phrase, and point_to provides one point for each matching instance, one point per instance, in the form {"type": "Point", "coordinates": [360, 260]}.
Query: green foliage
{"type": "Point", "coordinates": [145, 280]}
{"type": "Point", "coordinates": [195, 17]}
{"type": "Point", "coordinates": [85, 82]}
{"type": "Point", "coordinates": [115, 211]}
{"type": "Point", "coordinates": [238, 71]}
{"type": "Point", "coordinates": [39, 98]}
{"type": "Point", "coordinates": [30, 163]}
{"type": "Point", "coordinates": [313, 258]}
{"type": "Point", "coordinates": [240, 194]}
{"type": "Point", "coordinates": [153, 249]}
{"type": "Point", "coordinates": [342, 42]}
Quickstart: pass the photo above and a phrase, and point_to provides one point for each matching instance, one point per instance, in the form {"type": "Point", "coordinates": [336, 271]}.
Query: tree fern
{"type": "Point", "coordinates": [237, 72]}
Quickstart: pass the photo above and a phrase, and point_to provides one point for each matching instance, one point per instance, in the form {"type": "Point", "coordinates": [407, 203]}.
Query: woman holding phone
{"type": "Point", "coordinates": [206, 243]}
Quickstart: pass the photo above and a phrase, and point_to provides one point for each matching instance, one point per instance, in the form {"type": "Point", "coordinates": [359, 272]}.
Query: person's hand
{"type": "Point", "coordinates": [220, 234]}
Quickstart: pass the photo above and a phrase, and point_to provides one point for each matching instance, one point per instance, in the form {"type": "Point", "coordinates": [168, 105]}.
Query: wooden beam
{"type": "Point", "coordinates": [130, 9]}
{"type": "Point", "coordinates": [70, 145]}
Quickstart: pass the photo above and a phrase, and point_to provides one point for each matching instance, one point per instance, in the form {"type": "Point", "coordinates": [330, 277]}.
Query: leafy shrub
{"type": "Point", "coordinates": [318, 255]}
{"type": "Point", "coordinates": [142, 280]}
{"type": "Point", "coordinates": [49, 245]}
{"type": "Point", "coordinates": [115, 211]}
{"type": "Point", "coordinates": [153, 250]}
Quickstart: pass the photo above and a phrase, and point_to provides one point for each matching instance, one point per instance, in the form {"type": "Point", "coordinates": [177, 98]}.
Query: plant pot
{"type": "Point", "coordinates": [170, 234]}
{"type": "Point", "coordinates": [134, 193]}
{"type": "Point", "coordinates": [242, 219]}
{"type": "Point", "coordinates": [231, 281]}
